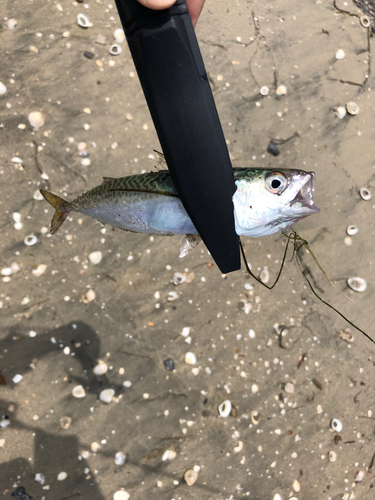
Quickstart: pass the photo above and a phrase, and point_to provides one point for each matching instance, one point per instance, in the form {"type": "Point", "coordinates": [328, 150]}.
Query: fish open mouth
{"type": "Point", "coordinates": [304, 199]}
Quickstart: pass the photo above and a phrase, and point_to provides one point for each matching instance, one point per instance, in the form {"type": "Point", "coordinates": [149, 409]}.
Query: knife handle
{"type": "Point", "coordinates": [173, 77]}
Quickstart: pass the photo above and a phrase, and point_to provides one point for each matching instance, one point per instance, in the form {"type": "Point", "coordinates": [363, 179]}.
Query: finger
{"type": "Point", "coordinates": [195, 8]}
{"type": "Point", "coordinates": [157, 4]}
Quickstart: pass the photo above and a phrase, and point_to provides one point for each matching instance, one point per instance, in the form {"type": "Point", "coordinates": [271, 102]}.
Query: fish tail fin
{"type": "Point", "coordinates": [61, 206]}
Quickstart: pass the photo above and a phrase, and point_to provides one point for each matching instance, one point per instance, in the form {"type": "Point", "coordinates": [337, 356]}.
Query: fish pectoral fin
{"type": "Point", "coordinates": [106, 179]}
{"type": "Point", "coordinates": [188, 243]}
{"type": "Point", "coordinates": [61, 206]}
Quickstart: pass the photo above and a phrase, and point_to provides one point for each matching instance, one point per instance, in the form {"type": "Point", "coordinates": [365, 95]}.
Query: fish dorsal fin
{"type": "Point", "coordinates": [162, 164]}
{"type": "Point", "coordinates": [188, 243]}
{"type": "Point", "coordinates": [106, 179]}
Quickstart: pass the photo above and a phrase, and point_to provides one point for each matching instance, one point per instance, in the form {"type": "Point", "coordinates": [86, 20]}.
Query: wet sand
{"type": "Point", "coordinates": [131, 324]}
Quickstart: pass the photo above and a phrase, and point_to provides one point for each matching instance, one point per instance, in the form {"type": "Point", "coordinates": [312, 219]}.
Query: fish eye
{"type": "Point", "coordinates": [276, 183]}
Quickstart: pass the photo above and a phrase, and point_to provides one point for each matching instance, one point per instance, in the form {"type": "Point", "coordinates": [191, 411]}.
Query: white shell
{"type": "Point", "coordinates": [359, 476]}
{"type": "Point", "coordinates": [16, 216]}
{"type": "Point", "coordinates": [37, 195]}
{"type": "Point", "coordinates": [107, 395]}
{"type": "Point", "coordinates": [121, 495]}
{"type": "Point", "coordinates": [190, 358]}
{"type": "Point", "coordinates": [255, 416]}
{"type": "Point", "coordinates": [365, 21]}
{"type": "Point", "coordinates": [90, 295]}
{"type": "Point", "coordinates": [15, 159]}
{"type": "Point", "coordinates": [85, 162]}
{"type": "Point", "coordinates": [352, 108]}
{"type": "Point", "coordinates": [3, 88]}
{"type": "Point", "coordinates": [281, 90]}
{"type": "Point", "coordinates": [79, 392]}
{"type": "Point", "coordinates": [83, 21]}
{"type": "Point", "coordinates": [289, 388]}
{"type": "Point", "coordinates": [340, 54]}
{"type": "Point", "coordinates": [264, 90]}
{"type": "Point", "coordinates": [17, 378]}
{"type": "Point", "coordinates": [6, 271]}
{"type": "Point", "coordinates": [95, 446]}
{"type": "Point", "coordinates": [168, 455]}
{"type": "Point", "coordinates": [265, 275]}
{"type": "Point", "coordinates": [81, 146]}
{"type": "Point", "coordinates": [12, 23]}
{"type": "Point", "coordinates": [172, 296]}
{"type": "Point", "coordinates": [225, 408]}
{"type": "Point", "coordinates": [36, 119]}
{"type": "Point", "coordinates": [357, 284]}
{"type": "Point", "coordinates": [119, 35]}
{"type": "Point", "coordinates": [178, 278]}
{"type": "Point", "coordinates": [39, 270]}
{"type": "Point", "coordinates": [101, 368]}
{"type": "Point", "coordinates": [332, 456]}
{"type": "Point", "coordinates": [30, 240]}
{"type": "Point", "coordinates": [296, 486]}
{"type": "Point", "coordinates": [95, 257]}
{"type": "Point", "coordinates": [365, 194]}
{"type": "Point", "coordinates": [115, 49]}
{"type": "Point", "coordinates": [120, 458]}
{"type": "Point", "coordinates": [351, 230]}
{"type": "Point", "coordinates": [340, 112]}
{"type": "Point", "coordinates": [190, 477]}
{"type": "Point", "coordinates": [65, 422]}
{"type": "Point", "coordinates": [62, 476]}
{"type": "Point", "coordinates": [336, 425]}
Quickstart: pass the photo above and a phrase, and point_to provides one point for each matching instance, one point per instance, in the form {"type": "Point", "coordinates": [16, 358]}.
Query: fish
{"type": "Point", "coordinates": [265, 202]}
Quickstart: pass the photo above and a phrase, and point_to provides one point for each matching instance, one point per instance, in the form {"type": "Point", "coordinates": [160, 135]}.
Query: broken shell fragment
{"type": "Point", "coordinates": [120, 458]}
{"type": "Point", "coordinates": [255, 417]}
{"type": "Point", "coordinates": [281, 90]}
{"type": "Point", "coordinates": [239, 447]}
{"type": "Point", "coordinates": [107, 395]}
{"type": "Point", "coordinates": [36, 119]}
{"type": "Point", "coordinates": [357, 284]}
{"type": "Point", "coordinates": [365, 21]}
{"type": "Point", "coordinates": [190, 477]}
{"type": "Point", "coordinates": [359, 476]}
{"type": "Point", "coordinates": [168, 455]}
{"type": "Point", "coordinates": [346, 335]}
{"type": "Point", "coordinates": [340, 112]}
{"type": "Point", "coordinates": [12, 23]}
{"type": "Point", "coordinates": [83, 21]}
{"type": "Point", "coordinates": [39, 270]}
{"type": "Point", "coordinates": [340, 54]}
{"type": "Point", "coordinates": [336, 425]}
{"type": "Point", "coordinates": [264, 90]}
{"type": "Point", "coordinates": [352, 108]}
{"type": "Point", "coordinates": [119, 35]}
{"type": "Point", "coordinates": [115, 49]}
{"type": "Point", "coordinates": [101, 368]}
{"type": "Point", "coordinates": [225, 408]}
{"type": "Point", "coordinates": [65, 422]}
{"type": "Point", "coordinates": [365, 194]}
{"type": "Point", "coordinates": [351, 230]}
{"type": "Point", "coordinates": [30, 240]}
{"type": "Point", "coordinates": [3, 88]}
{"type": "Point", "coordinates": [78, 392]}
{"type": "Point", "coordinates": [179, 278]}
{"type": "Point", "coordinates": [332, 456]}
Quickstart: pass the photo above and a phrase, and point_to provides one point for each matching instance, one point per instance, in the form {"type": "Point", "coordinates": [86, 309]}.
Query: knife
{"type": "Point", "coordinates": [167, 58]}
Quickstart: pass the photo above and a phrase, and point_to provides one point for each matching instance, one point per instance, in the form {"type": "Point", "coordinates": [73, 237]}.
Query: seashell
{"type": "Point", "coordinates": [120, 458]}
{"type": "Point", "coordinates": [340, 112]}
{"type": "Point", "coordinates": [81, 146]}
{"type": "Point", "coordinates": [289, 388]}
{"type": "Point", "coordinates": [79, 392]}
{"type": "Point", "coordinates": [90, 295]}
{"type": "Point", "coordinates": [121, 495]}
{"type": "Point", "coordinates": [239, 447]}
{"type": "Point", "coordinates": [179, 278]}
{"type": "Point", "coordinates": [359, 476]}
{"type": "Point", "coordinates": [83, 21]}
{"type": "Point", "coordinates": [6, 271]}
{"type": "Point", "coordinates": [21, 126]}
{"type": "Point", "coordinates": [12, 23]}
{"type": "Point", "coordinates": [357, 284]}
{"type": "Point", "coordinates": [185, 331]}
{"type": "Point", "coordinates": [15, 159]}
{"type": "Point", "coordinates": [39, 270]}
{"type": "Point", "coordinates": [85, 162]}
{"type": "Point", "coordinates": [346, 335]}
{"type": "Point", "coordinates": [17, 378]}
{"type": "Point", "coordinates": [365, 21]}
{"type": "Point", "coordinates": [37, 195]}
{"type": "Point", "coordinates": [224, 409]}
{"type": "Point", "coordinates": [340, 54]}
{"type": "Point", "coordinates": [337, 439]}
{"type": "Point", "coordinates": [254, 388]}
{"type": "Point", "coordinates": [281, 90]}
{"type": "Point", "coordinates": [168, 455]}
{"type": "Point", "coordinates": [3, 88]}
{"type": "Point", "coordinates": [172, 296]}
{"type": "Point", "coordinates": [296, 486]}
{"type": "Point", "coordinates": [36, 119]}
{"type": "Point", "coordinates": [190, 358]}
{"type": "Point", "coordinates": [65, 422]}
{"type": "Point", "coordinates": [119, 35]}
{"type": "Point", "coordinates": [265, 275]}
{"type": "Point", "coordinates": [62, 476]}
{"type": "Point", "coordinates": [18, 226]}
{"type": "Point", "coordinates": [255, 417]}
{"type": "Point", "coordinates": [190, 477]}
{"type": "Point", "coordinates": [277, 496]}
{"type": "Point", "coordinates": [40, 478]}
{"type": "Point", "coordinates": [264, 90]}
{"type": "Point", "coordinates": [16, 216]}
{"type": "Point", "coordinates": [101, 368]}
{"type": "Point", "coordinates": [336, 425]}
{"type": "Point", "coordinates": [95, 257]}
{"type": "Point", "coordinates": [115, 49]}
{"type": "Point", "coordinates": [351, 230]}
{"type": "Point", "coordinates": [332, 456]}
{"type": "Point", "coordinates": [107, 395]}
{"type": "Point", "coordinates": [365, 194]}
{"type": "Point", "coordinates": [95, 446]}
{"type": "Point", "coordinates": [352, 108]}
{"type": "Point", "coordinates": [15, 268]}
{"type": "Point", "coordinates": [30, 240]}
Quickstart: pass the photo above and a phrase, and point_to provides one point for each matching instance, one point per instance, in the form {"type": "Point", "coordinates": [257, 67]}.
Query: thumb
{"type": "Point", "coordinates": [157, 4]}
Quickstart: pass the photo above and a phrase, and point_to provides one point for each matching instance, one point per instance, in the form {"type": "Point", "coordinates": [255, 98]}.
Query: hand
{"type": "Point", "coordinates": [195, 7]}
